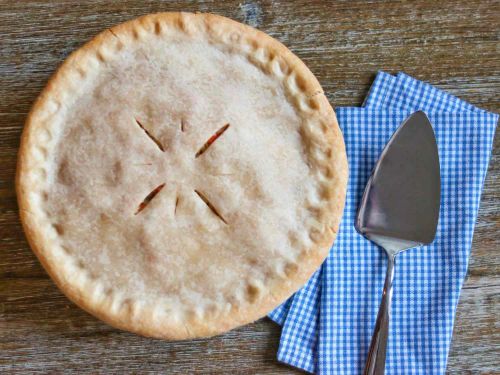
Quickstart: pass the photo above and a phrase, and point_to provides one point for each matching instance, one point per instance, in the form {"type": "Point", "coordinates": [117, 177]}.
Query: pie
{"type": "Point", "coordinates": [181, 175]}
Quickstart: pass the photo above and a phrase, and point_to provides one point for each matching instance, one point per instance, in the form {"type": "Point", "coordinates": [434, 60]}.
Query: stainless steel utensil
{"type": "Point", "coordinates": [399, 210]}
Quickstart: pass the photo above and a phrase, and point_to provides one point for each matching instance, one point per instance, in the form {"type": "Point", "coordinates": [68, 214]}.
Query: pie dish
{"type": "Point", "coordinates": [181, 175]}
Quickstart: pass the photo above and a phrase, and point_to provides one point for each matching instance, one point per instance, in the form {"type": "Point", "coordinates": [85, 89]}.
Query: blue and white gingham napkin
{"type": "Point", "coordinates": [327, 325]}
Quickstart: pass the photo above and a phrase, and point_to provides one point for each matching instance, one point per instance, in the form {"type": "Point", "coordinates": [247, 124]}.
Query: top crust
{"type": "Point", "coordinates": [226, 231]}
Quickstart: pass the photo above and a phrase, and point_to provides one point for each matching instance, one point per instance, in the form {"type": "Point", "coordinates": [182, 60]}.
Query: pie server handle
{"type": "Point", "coordinates": [375, 364]}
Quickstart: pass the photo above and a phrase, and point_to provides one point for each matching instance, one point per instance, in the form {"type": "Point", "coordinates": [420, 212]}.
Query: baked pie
{"type": "Point", "coordinates": [181, 175]}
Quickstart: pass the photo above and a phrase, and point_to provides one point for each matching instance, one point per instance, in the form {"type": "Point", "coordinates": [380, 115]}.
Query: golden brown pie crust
{"type": "Point", "coordinates": [227, 231]}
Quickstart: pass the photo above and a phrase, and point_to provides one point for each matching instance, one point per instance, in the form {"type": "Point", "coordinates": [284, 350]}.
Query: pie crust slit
{"type": "Point", "coordinates": [210, 205]}
{"type": "Point", "coordinates": [156, 141]}
{"type": "Point", "coordinates": [211, 140]}
{"type": "Point", "coordinates": [149, 198]}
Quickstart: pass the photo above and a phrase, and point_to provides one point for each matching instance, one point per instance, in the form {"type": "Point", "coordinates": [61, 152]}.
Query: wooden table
{"type": "Point", "coordinates": [452, 44]}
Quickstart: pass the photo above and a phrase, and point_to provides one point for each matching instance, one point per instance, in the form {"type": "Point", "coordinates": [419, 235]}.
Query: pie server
{"type": "Point", "coordinates": [399, 210]}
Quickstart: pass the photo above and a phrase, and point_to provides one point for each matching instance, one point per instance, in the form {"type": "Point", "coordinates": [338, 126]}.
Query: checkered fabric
{"type": "Point", "coordinates": [327, 325]}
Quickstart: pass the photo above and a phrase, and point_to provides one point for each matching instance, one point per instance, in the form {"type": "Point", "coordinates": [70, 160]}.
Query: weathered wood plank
{"type": "Point", "coordinates": [454, 45]}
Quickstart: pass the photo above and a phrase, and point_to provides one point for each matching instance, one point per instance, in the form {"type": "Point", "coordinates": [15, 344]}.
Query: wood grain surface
{"type": "Point", "coordinates": [452, 44]}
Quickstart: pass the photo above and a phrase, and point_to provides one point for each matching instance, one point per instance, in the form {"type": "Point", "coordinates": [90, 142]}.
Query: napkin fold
{"type": "Point", "coordinates": [327, 325]}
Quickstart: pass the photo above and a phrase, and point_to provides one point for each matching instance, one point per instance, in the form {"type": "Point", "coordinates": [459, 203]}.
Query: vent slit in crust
{"type": "Point", "coordinates": [210, 205]}
{"type": "Point", "coordinates": [149, 198]}
{"type": "Point", "coordinates": [176, 205]}
{"type": "Point", "coordinates": [155, 140]}
{"type": "Point", "coordinates": [211, 140]}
